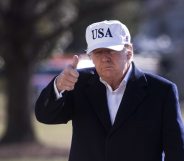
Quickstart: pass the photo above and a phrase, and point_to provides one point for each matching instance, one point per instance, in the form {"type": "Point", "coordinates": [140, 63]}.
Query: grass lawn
{"type": "Point", "coordinates": [35, 159]}
{"type": "Point", "coordinates": [56, 136]}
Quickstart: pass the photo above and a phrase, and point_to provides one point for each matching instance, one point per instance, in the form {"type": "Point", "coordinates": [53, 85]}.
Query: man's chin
{"type": "Point", "coordinates": [107, 74]}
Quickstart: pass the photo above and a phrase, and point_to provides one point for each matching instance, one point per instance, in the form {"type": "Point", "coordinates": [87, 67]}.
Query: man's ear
{"type": "Point", "coordinates": [129, 51]}
{"type": "Point", "coordinates": [129, 54]}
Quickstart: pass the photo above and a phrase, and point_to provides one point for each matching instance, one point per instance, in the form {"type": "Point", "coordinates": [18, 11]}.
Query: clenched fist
{"type": "Point", "coordinates": [67, 79]}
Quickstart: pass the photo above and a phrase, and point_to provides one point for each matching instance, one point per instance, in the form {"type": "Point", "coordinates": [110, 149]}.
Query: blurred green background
{"type": "Point", "coordinates": [39, 37]}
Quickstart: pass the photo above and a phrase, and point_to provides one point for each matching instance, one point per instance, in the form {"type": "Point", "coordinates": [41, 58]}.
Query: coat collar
{"type": "Point", "coordinates": [133, 96]}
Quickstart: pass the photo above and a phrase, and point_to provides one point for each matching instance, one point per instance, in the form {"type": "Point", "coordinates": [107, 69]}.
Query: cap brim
{"type": "Point", "coordinates": [112, 47]}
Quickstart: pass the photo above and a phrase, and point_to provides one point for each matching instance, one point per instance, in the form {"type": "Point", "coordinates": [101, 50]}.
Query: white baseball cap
{"type": "Point", "coordinates": [110, 34]}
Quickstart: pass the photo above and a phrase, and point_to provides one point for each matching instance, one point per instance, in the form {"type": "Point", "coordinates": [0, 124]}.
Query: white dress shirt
{"type": "Point", "coordinates": [113, 97]}
{"type": "Point", "coordinates": [58, 94]}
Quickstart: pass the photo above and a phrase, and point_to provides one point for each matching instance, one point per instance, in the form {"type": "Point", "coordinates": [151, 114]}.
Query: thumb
{"type": "Point", "coordinates": [75, 61]}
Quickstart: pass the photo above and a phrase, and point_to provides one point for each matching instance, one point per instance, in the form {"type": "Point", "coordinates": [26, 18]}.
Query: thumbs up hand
{"type": "Point", "coordinates": [75, 61]}
{"type": "Point", "coordinates": [68, 77]}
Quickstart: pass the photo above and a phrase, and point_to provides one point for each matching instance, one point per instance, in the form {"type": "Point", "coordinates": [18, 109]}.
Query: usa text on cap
{"type": "Point", "coordinates": [110, 34]}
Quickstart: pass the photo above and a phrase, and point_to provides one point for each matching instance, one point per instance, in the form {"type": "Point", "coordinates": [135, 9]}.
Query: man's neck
{"type": "Point", "coordinates": [115, 82]}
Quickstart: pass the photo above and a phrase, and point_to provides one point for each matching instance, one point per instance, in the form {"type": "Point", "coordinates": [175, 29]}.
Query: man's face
{"type": "Point", "coordinates": [110, 64]}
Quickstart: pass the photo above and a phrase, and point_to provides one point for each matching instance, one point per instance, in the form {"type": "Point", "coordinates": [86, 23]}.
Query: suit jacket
{"type": "Point", "coordinates": [147, 123]}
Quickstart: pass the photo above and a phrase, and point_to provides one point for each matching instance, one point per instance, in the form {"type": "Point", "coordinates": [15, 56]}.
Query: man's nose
{"type": "Point", "coordinates": [105, 56]}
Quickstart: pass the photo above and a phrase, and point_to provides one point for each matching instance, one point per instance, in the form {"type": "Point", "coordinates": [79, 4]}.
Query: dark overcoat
{"type": "Point", "coordinates": [147, 123]}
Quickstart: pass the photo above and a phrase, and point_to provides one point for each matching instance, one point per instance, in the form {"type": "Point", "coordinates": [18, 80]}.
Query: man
{"type": "Point", "coordinates": [118, 112]}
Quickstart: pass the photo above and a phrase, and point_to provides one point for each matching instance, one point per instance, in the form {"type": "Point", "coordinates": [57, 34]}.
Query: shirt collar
{"type": "Point", "coordinates": [123, 82]}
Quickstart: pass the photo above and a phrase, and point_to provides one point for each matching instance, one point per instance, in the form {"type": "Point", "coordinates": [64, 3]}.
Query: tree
{"type": "Point", "coordinates": [23, 41]}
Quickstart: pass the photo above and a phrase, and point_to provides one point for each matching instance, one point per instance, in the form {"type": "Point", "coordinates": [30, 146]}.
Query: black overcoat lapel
{"type": "Point", "coordinates": [135, 92]}
{"type": "Point", "coordinates": [96, 94]}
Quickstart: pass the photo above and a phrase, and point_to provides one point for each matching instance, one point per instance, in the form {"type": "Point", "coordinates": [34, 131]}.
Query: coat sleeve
{"type": "Point", "coordinates": [50, 110]}
{"type": "Point", "coordinates": [173, 128]}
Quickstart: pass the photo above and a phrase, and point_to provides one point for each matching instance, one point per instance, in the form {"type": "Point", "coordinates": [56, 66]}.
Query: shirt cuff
{"type": "Point", "coordinates": [58, 94]}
